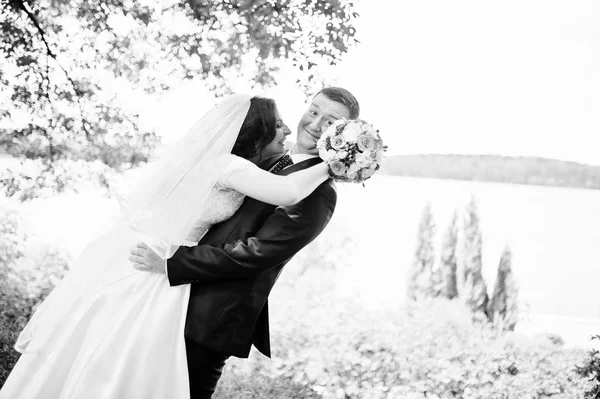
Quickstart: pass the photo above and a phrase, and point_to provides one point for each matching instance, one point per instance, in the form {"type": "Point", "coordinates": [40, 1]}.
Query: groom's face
{"type": "Point", "coordinates": [321, 114]}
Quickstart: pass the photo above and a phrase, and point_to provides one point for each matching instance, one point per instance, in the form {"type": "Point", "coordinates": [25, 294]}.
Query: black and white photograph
{"type": "Point", "coordinates": [271, 199]}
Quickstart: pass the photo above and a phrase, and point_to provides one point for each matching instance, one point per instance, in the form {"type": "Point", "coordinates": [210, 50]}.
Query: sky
{"type": "Point", "coordinates": [510, 77]}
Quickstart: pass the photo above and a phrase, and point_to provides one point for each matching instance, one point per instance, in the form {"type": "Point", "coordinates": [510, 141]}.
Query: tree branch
{"type": "Point", "coordinates": [51, 54]}
{"type": "Point", "coordinates": [35, 23]}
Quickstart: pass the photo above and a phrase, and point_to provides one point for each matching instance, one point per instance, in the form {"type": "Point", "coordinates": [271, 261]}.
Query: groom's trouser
{"type": "Point", "coordinates": [205, 366]}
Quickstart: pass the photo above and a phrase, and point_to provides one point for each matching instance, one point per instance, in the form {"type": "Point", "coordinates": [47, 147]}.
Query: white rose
{"type": "Point", "coordinates": [352, 171]}
{"type": "Point", "coordinates": [351, 132]}
{"type": "Point", "coordinates": [323, 154]}
{"type": "Point", "coordinates": [327, 155]}
{"type": "Point", "coordinates": [366, 173]}
{"type": "Point", "coordinates": [368, 129]}
{"type": "Point", "coordinates": [329, 132]}
{"type": "Point", "coordinates": [339, 122]}
{"type": "Point", "coordinates": [321, 143]}
{"type": "Point", "coordinates": [337, 142]}
{"type": "Point", "coordinates": [341, 155]}
{"type": "Point", "coordinates": [363, 160]}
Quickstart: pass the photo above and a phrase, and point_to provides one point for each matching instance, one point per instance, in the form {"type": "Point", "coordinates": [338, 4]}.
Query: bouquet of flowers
{"type": "Point", "coordinates": [352, 149]}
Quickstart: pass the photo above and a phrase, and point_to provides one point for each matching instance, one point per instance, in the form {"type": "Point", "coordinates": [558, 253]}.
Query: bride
{"type": "Point", "coordinates": [111, 331]}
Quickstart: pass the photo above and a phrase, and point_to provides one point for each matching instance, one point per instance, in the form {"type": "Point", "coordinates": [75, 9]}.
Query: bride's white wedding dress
{"type": "Point", "coordinates": [116, 332]}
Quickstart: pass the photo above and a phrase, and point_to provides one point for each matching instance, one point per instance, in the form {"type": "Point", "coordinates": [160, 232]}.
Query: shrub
{"type": "Point", "coordinates": [37, 178]}
{"type": "Point", "coordinates": [591, 370]}
{"type": "Point", "coordinates": [431, 349]}
{"type": "Point", "coordinates": [8, 356]}
{"type": "Point", "coordinates": [21, 292]}
{"type": "Point", "coordinates": [240, 386]}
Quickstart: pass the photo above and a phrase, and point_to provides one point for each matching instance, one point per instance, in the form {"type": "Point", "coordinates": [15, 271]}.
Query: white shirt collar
{"type": "Point", "coordinates": [300, 157]}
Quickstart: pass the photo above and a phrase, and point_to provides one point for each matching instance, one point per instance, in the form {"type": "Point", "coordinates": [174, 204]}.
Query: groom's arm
{"type": "Point", "coordinates": [284, 233]}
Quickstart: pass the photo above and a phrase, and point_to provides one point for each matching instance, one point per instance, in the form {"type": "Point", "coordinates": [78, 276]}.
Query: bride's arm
{"type": "Point", "coordinates": [277, 190]}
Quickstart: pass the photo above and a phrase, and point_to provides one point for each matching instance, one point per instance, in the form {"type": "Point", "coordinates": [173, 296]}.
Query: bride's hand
{"type": "Point", "coordinates": [145, 259]}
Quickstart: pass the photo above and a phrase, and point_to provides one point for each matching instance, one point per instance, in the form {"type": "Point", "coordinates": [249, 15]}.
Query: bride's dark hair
{"type": "Point", "coordinates": [258, 130]}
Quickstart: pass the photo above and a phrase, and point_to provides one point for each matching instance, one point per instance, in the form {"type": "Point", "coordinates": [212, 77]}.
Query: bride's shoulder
{"type": "Point", "coordinates": [228, 164]}
{"type": "Point", "coordinates": [230, 161]}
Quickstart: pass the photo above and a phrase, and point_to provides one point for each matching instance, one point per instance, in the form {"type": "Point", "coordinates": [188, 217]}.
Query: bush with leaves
{"type": "Point", "coordinates": [14, 305]}
{"type": "Point", "coordinates": [25, 280]}
{"type": "Point", "coordinates": [591, 371]}
{"type": "Point", "coordinates": [41, 178]}
{"type": "Point", "coordinates": [340, 350]}
{"type": "Point", "coordinates": [13, 298]}
{"type": "Point", "coordinates": [259, 386]}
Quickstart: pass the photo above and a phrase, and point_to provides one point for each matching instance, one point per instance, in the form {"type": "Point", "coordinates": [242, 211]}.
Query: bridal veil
{"type": "Point", "coordinates": [160, 211]}
{"type": "Point", "coordinates": [169, 198]}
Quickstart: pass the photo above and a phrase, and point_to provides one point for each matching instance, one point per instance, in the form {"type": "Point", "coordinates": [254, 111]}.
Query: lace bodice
{"type": "Point", "coordinates": [222, 202]}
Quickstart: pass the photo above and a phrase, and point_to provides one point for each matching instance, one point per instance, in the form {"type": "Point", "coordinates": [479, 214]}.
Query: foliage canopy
{"type": "Point", "coordinates": [64, 64]}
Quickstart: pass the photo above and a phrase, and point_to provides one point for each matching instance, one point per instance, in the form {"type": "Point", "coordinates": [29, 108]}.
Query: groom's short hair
{"type": "Point", "coordinates": [342, 96]}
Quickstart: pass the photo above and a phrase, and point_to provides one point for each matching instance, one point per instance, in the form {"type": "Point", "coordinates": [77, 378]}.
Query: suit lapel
{"type": "Point", "coordinates": [300, 165]}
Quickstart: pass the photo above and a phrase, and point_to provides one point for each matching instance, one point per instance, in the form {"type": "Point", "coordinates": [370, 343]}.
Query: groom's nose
{"type": "Point", "coordinates": [315, 126]}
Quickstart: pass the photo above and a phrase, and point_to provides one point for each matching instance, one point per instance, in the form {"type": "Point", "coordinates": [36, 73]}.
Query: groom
{"type": "Point", "coordinates": [234, 267]}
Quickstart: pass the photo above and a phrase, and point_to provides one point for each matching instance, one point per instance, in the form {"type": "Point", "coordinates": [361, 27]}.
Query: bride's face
{"type": "Point", "coordinates": [277, 145]}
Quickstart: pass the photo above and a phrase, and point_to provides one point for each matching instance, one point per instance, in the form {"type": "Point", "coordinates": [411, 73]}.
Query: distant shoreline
{"type": "Point", "coordinates": [495, 169]}
{"type": "Point", "coordinates": [530, 171]}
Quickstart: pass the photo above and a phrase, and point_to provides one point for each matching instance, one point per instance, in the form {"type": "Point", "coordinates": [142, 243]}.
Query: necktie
{"type": "Point", "coordinates": [284, 162]}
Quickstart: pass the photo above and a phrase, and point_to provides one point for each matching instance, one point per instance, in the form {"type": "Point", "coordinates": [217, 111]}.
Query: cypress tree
{"type": "Point", "coordinates": [474, 286]}
{"type": "Point", "coordinates": [504, 307]}
{"type": "Point", "coordinates": [419, 282]}
{"type": "Point", "coordinates": [448, 265]}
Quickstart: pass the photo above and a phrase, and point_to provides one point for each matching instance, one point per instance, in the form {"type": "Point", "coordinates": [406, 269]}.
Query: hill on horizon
{"type": "Point", "coordinates": [495, 168]}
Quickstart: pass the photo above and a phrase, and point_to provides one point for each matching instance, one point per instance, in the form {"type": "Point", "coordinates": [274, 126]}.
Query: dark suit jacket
{"type": "Point", "coordinates": [234, 267]}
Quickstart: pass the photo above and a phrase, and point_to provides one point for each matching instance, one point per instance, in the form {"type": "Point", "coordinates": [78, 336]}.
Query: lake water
{"type": "Point", "coordinates": [552, 232]}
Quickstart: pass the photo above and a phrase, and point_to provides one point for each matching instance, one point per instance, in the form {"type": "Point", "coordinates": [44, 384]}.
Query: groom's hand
{"type": "Point", "coordinates": [143, 258]}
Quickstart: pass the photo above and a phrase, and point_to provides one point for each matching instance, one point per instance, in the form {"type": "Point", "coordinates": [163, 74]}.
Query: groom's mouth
{"type": "Point", "coordinates": [314, 136]}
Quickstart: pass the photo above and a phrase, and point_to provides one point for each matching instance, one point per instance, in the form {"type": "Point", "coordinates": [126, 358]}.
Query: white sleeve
{"type": "Point", "coordinates": [231, 163]}
{"type": "Point", "coordinates": [252, 181]}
